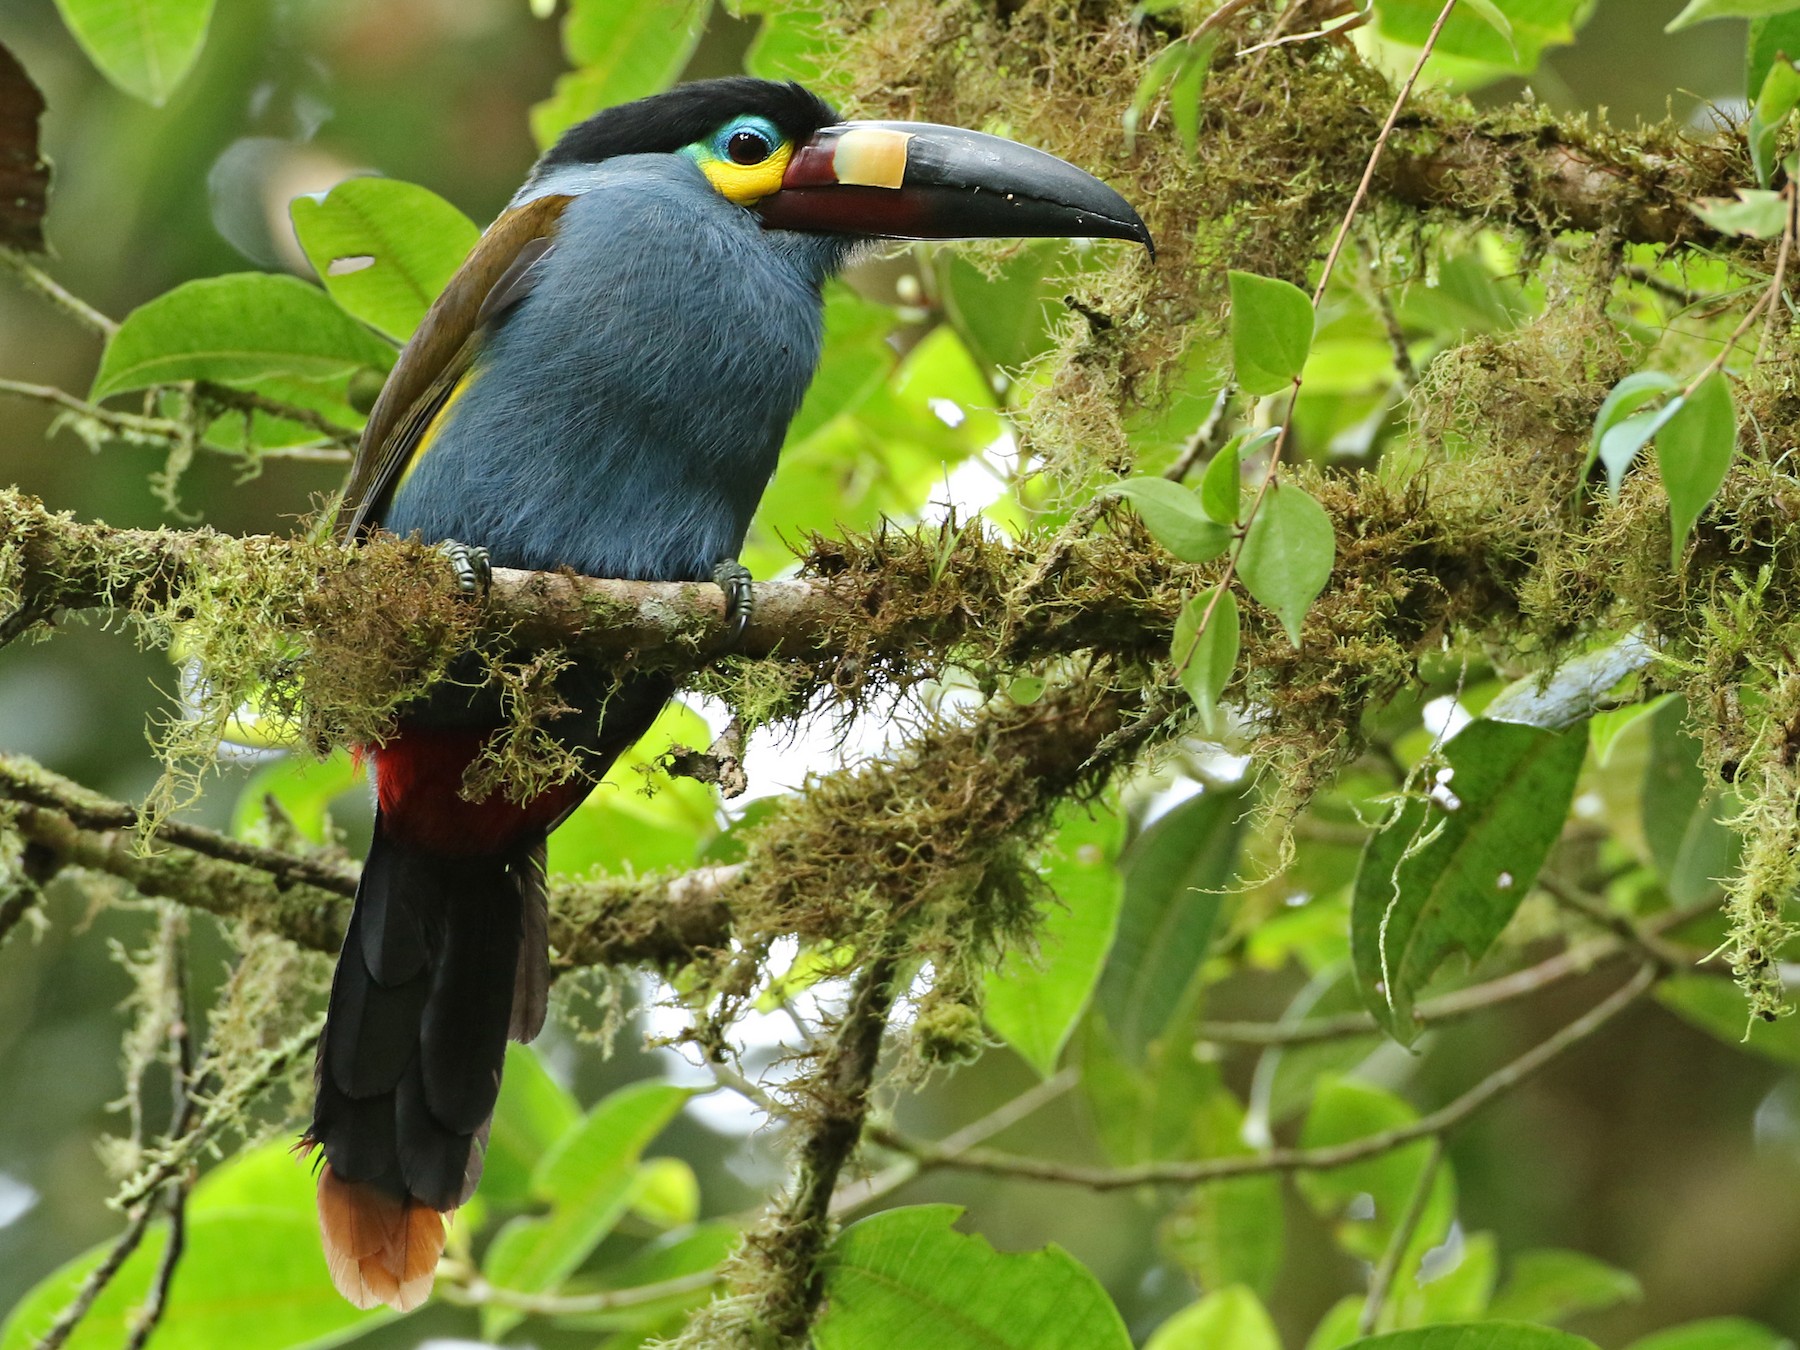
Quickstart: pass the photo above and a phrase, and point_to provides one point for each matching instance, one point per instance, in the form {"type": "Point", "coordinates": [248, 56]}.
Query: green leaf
{"type": "Point", "coordinates": [1366, 1200]}
{"type": "Point", "coordinates": [1271, 332]}
{"type": "Point", "coordinates": [251, 1279]}
{"type": "Point", "coordinates": [1163, 68]}
{"type": "Point", "coordinates": [1548, 1285]}
{"type": "Point", "coordinates": [1682, 812]}
{"type": "Point", "coordinates": [1176, 873]}
{"type": "Point", "coordinates": [383, 248]}
{"type": "Point", "coordinates": [236, 329]}
{"type": "Point", "coordinates": [1230, 1319]}
{"type": "Point", "coordinates": [1717, 1007]}
{"type": "Point", "coordinates": [1287, 555]}
{"type": "Point", "coordinates": [1175, 518]}
{"type": "Point", "coordinates": [638, 822]}
{"type": "Point", "coordinates": [1002, 310]}
{"type": "Point", "coordinates": [1626, 397]}
{"type": "Point", "coordinates": [1034, 1004]}
{"type": "Point", "coordinates": [301, 786]}
{"type": "Point", "coordinates": [1694, 450]}
{"type": "Point", "coordinates": [1477, 1336]}
{"type": "Point", "coordinates": [906, 1280]}
{"type": "Point", "coordinates": [1446, 875]}
{"type": "Point", "coordinates": [1473, 45]}
{"type": "Point", "coordinates": [1185, 90]}
{"type": "Point", "coordinates": [534, 1111]}
{"type": "Point", "coordinates": [1489, 13]}
{"type": "Point", "coordinates": [1229, 1232]}
{"type": "Point", "coordinates": [1770, 37]}
{"type": "Point", "coordinates": [621, 52]}
{"type": "Point", "coordinates": [1222, 485]}
{"type": "Point", "coordinates": [668, 1193]}
{"type": "Point", "coordinates": [1756, 214]}
{"type": "Point", "coordinates": [1699, 11]}
{"type": "Point", "coordinates": [1605, 728]}
{"type": "Point", "coordinates": [1777, 96]}
{"type": "Point", "coordinates": [855, 360]}
{"type": "Point", "coordinates": [589, 1179]}
{"type": "Point", "coordinates": [145, 47]}
{"type": "Point", "coordinates": [1714, 1333]}
{"type": "Point", "coordinates": [1204, 659]}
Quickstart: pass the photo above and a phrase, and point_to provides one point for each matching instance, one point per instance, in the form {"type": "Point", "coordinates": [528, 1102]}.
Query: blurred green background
{"type": "Point", "coordinates": [1651, 1148]}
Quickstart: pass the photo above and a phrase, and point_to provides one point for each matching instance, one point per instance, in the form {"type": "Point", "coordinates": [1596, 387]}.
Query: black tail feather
{"type": "Point", "coordinates": [444, 957]}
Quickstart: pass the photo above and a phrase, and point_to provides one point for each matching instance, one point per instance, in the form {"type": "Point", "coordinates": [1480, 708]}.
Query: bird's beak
{"type": "Point", "coordinates": [914, 180]}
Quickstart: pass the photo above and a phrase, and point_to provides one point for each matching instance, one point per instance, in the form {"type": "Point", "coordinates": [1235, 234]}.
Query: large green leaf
{"type": "Point", "coordinates": [1447, 874]}
{"type": "Point", "coordinates": [589, 1179]}
{"type": "Point", "coordinates": [146, 47]}
{"type": "Point", "coordinates": [1232, 1318]}
{"type": "Point", "coordinates": [620, 52]}
{"type": "Point", "coordinates": [1176, 874]}
{"type": "Point", "coordinates": [1718, 1008]}
{"type": "Point", "coordinates": [1477, 1336]}
{"type": "Point", "coordinates": [1230, 1232]}
{"type": "Point", "coordinates": [383, 248]}
{"type": "Point", "coordinates": [533, 1113]}
{"type": "Point", "coordinates": [237, 329]}
{"type": "Point", "coordinates": [251, 1276]}
{"type": "Point", "coordinates": [906, 1280]}
{"type": "Point", "coordinates": [1034, 1003]}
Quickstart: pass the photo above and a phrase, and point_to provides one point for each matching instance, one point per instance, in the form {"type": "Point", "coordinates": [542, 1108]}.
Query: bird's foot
{"type": "Point", "coordinates": [474, 573]}
{"type": "Point", "coordinates": [732, 577]}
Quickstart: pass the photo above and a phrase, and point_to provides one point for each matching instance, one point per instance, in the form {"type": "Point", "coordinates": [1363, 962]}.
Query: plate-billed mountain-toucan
{"type": "Point", "coordinates": [602, 386]}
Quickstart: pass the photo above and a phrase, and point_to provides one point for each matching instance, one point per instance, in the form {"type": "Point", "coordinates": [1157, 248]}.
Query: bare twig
{"type": "Point", "coordinates": [467, 1286]}
{"type": "Point", "coordinates": [1324, 1158]}
{"type": "Point", "coordinates": [137, 1224]}
{"type": "Point", "coordinates": [34, 278]}
{"type": "Point", "coordinates": [860, 1194]}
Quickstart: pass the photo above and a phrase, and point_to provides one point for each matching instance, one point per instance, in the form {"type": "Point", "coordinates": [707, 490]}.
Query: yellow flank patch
{"type": "Point", "coordinates": [437, 424]}
{"type": "Point", "coordinates": [871, 157]}
{"type": "Point", "coordinates": [747, 184]}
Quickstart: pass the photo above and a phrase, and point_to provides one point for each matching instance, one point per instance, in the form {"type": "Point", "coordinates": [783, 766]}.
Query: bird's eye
{"type": "Point", "coordinates": [747, 146]}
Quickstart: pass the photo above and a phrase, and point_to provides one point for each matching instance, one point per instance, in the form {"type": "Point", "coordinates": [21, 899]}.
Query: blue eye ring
{"type": "Point", "coordinates": [747, 141]}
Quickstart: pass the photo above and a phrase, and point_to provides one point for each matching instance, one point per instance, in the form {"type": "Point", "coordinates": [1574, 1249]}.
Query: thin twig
{"type": "Point", "coordinates": [468, 1287]}
{"type": "Point", "coordinates": [139, 429]}
{"type": "Point", "coordinates": [1382, 1278]}
{"type": "Point", "coordinates": [860, 1194]}
{"type": "Point", "coordinates": [1503, 989]}
{"type": "Point", "coordinates": [1207, 438]}
{"type": "Point", "coordinates": [98, 1278]}
{"type": "Point", "coordinates": [1319, 1159]}
{"type": "Point", "coordinates": [34, 278]}
{"type": "Point", "coordinates": [1651, 946]}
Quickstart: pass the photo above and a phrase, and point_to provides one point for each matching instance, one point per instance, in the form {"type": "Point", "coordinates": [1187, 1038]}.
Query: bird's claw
{"type": "Point", "coordinates": [732, 577]}
{"type": "Point", "coordinates": [474, 573]}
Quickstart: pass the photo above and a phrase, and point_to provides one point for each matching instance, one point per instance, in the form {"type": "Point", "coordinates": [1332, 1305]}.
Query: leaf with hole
{"type": "Point", "coordinates": [383, 248]}
{"type": "Point", "coordinates": [1271, 332]}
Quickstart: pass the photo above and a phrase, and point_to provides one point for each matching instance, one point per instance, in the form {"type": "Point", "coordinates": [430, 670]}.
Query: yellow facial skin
{"type": "Point", "coordinates": [747, 184]}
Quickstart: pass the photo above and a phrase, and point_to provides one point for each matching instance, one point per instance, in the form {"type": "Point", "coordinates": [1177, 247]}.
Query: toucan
{"type": "Point", "coordinates": [603, 386]}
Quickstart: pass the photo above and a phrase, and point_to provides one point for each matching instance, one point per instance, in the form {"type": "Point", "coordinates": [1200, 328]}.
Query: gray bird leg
{"type": "Point", "coordinates": [474, 573]}
{"type": "Point", "coordinates": [732, 577]}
